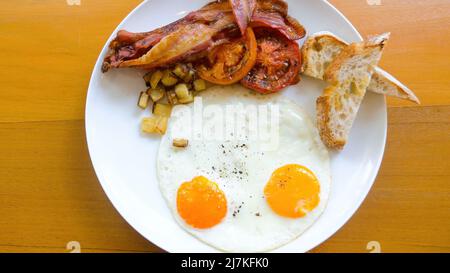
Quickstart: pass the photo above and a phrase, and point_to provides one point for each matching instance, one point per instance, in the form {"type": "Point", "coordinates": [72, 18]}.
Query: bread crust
{"type": "Point", "coordinates": [323, 106]}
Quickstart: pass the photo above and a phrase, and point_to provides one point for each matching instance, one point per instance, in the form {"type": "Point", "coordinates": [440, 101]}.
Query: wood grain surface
{"type": "Point", "coordinates": [50, 196]}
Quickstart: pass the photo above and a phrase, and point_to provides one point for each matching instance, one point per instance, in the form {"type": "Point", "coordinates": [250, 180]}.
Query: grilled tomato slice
{"type": "Point", "coordinates": [230, 62]}
{"type": "Point", "coordinates": [278, 63]}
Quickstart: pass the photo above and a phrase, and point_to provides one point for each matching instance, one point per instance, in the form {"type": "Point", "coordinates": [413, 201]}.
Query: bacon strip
{"type": "Point", "coordinates": [194, 35]}
{"type": "Point", "coordinates": [188, 40]}
{"type": "Point", "coordinates": [243, 12]}
{"type": "Point", "coordinates": [128, 49]}
{"type": "Point", "coordinates": [279, 6]}
{"type": "Point", "coordinates": [289, 28]}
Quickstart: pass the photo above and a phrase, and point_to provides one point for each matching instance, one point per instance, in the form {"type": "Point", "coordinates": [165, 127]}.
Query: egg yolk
{"type": "Point", "coordinates": [292, 191]}
{"type": "Point", "coordinates": [201, 203]}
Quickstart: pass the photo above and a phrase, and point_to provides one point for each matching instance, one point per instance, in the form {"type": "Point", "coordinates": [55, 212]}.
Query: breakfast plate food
{"type": "Point", "coordinates": [260, 125]}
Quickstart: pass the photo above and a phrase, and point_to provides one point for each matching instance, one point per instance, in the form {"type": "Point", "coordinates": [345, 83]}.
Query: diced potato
{"type": "Point", "coordinates": [143, 100]}
{"type": "Point", "coordinates": [189, 76]}
{"type": "Point", "coordinates": [188, 99]}
{"type": "Point", "coordinates": [155, 79]}
{"type": "Point", "coordinates": [199, 85]}
{"type": "Point", "coordinates": [147, 78]}
{"type": "Point", "coordinates": [162, 124]}
{"type": "Point", "coordinates": [168, 79]}
{"type": "Point", "coordinates": [163, 110]}
{"type": "Point", "coordinates": [172, 98]}
{"type": "Point", "coordinates": [154, 125]}
{"type": "Point", "coordinates": [180, 143]}
{"type": "Point", "coordinates": [182, 91]}
{"type": "Point", "coordinates": [183, 94]}
{"type": "Point", "coordinates": [180, 70]}
{"type": "Point", "coordinates": [148, 125]}
{"type": "Point", "coordinates": [156, 94]}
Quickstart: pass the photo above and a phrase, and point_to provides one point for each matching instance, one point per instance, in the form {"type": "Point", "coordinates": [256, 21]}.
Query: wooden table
{"type": "Point", "coordinates": [49, 194]}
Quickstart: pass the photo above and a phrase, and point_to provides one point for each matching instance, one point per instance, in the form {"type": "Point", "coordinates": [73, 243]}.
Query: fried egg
{"type": "Point", "coordinates": [234, 189]}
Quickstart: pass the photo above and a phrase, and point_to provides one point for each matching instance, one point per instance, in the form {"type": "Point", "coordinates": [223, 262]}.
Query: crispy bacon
{"type": "Point", "coordinates": [279, 6]}
{"type": "Point", "coordinates": [193, 36]}
{"type": "Point", "coordinates": [129, 45]}
{"type": "Point", "coordinates": [267, 13]}
{"type": "Point", "coordinates": [188, 40]}
{"type": "Point", "coordinates": [243, 12]}
{"type": "Point", "coordinates": [295, 24]}
{"type": "Point", "coordinates": [288, 27]}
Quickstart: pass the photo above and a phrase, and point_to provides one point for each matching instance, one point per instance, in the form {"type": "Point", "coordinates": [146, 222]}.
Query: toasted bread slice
{"type": "Point", "coordinates": [320, 49]}
{"type": "Point", "coordinates": [384, 83]}
{"type": "Point", "coordinates": [349, 75]}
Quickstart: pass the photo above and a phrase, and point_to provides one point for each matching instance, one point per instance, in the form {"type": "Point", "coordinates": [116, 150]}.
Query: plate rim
{"type": "Point", "coordinates": [155, 241]}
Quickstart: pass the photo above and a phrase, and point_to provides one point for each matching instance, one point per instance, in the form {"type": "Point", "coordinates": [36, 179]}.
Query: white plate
{"type": "Point", "coordinates": [124, 159]}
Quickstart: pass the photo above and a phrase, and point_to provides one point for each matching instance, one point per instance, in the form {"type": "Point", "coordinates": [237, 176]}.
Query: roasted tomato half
{"type": "Point", "coordinates": [278, 63]}
{"type": "Point", "coordinates": [230, 62]}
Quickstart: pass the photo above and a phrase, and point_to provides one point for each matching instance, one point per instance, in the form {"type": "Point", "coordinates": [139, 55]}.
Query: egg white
{"type": "Point", "coordinates": [242, 168]}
